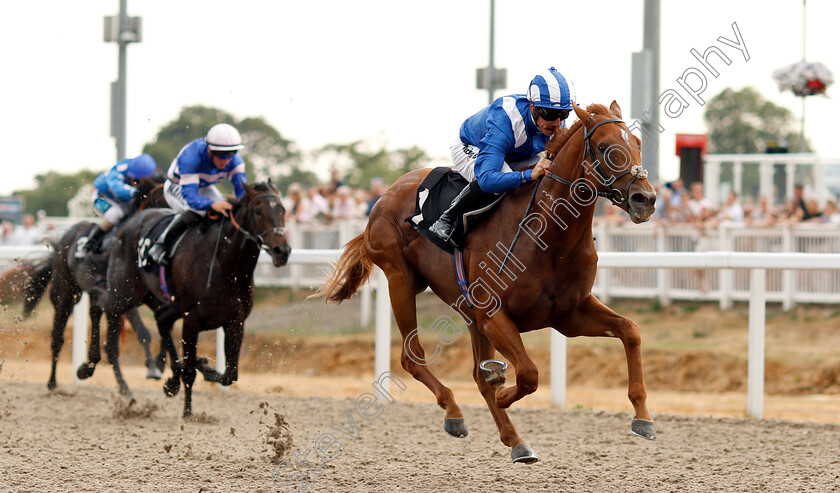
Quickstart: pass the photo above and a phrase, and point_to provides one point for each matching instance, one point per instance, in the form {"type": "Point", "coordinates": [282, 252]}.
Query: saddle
{"type": "Point", "coordinates": [435, 195]}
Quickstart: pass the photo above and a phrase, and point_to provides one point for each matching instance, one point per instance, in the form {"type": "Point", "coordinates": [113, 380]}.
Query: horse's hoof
{"type": "Point", "coordinates": [51, 385]}
{"type": "Point", "coordinates": [172, 386]}
{"type": "Point", "coordinates": [494, 371]}
{"type": "Point", "coordinates": [125, 392]}
{"type": "Point", "coordinates": [524, 453]}
{"type": "Point", "coordinates": [455, 427]}
{"type": "Point", "coordinates": [643, 428]}
{"type": "Point", "coordinates": [152, 373]}
{"type": "Point", "coordinates": [85, 371]}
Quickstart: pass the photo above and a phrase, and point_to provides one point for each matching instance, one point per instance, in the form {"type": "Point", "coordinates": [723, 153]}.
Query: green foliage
{"type": "Point", "coordinates": [362, 162]}
{"type": "Point", "coordinates": [53, 190]}
{"type": "Point", "coordinates": [743, 122]}
{"type": "Point", "coordinates": [267, 154]}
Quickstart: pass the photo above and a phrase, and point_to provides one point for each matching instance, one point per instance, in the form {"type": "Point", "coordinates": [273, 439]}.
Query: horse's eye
{"type": "Point", "coordinates": [602, 147]}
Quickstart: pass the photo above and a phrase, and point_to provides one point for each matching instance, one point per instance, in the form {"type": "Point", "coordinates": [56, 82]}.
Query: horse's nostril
{"type": "Point", "coordinates": [639, 198]}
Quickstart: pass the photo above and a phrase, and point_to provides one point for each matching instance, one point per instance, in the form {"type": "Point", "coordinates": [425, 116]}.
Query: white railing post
{"type": "Point", "coordinates": [221, 362]}
{"type": "Point", "coordinates": [558, 369]}
{"type": "Point", "coordinates": [725, 275]}
{"type": "Point", "coordinates": [663, 276]}
{"type": "Point", "coordinates": [788, 279]}
{"type": "Point", "coordinates": [755, 372]}
{"type": "Point", "coordinates": [81, 316]}
{"type": "Point", "coordinates": [364, 308]}
{"type": "Point", "coordinates": [382, 337]}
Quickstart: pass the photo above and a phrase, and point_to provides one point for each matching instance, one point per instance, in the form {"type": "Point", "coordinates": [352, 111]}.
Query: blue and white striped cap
{"type": "Point", "coordinates": [550, 89]}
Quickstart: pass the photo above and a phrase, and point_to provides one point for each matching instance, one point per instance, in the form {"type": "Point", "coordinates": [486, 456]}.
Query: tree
{"type": "Point", "coordinates": [54, 190]}
{"type": "Point", "coordinates": [362, 162]}
{"type": "Point", "coordinates": [267, 154]}
{"type": "Point", "coordinates": [743, 122]}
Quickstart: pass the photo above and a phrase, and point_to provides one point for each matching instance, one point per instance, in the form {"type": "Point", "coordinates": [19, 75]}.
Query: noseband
{"type": "Point", "coordinates": [259, 239]}
{"type": "Point", "coordinates": [615, 195]}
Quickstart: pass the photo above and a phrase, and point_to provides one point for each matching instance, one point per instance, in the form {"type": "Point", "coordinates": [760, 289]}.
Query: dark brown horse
{"type": "Point", "coordinates": [212, 279]}
{"type": "Point", "coordinates": [546, 282]}
{"type": "Point", "coordinates": [67, 279]}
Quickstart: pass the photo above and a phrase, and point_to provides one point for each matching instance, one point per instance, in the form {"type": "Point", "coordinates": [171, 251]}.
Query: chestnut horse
{"type": "Point", "coordinates": [545, 282]}
{"type": "Point", "coordinates": [212, 281]}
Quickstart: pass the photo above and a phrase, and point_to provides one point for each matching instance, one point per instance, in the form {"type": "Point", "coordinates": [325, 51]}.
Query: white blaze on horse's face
{"type": "Point", "coordinates": [619, 150]}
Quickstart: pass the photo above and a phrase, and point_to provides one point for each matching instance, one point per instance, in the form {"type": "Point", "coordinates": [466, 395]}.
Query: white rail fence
{"type": "Point", "coordinates": [757, 264]}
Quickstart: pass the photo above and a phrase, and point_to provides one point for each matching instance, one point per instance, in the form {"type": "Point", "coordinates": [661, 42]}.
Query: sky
{"type": "Point", "coordinates": [393, 73]}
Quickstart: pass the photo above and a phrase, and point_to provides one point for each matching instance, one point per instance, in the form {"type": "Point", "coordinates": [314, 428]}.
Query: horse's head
{"type": "Point", "coordinates": [263, 218]}
{"type": "Point", "coordinates": [613, 161]}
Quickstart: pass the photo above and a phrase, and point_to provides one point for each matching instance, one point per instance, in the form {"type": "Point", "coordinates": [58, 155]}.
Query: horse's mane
{"type": "Point", "coordinates": [562, 135]}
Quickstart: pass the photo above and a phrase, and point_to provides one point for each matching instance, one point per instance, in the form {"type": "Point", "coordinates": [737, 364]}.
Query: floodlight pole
{"type": "Point", "coordinates": [122, 30]}
{"type": "Point", "coordinates": [491, 66]}
{"type": "Point", "coordinates": [650, 126]}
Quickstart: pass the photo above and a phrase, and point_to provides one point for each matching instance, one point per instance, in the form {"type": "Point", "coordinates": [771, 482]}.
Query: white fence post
{"type": "Point", "coordinates": [788, 279]}
{"type": "Point", "coordinates": [725, 276]}
{"type": "Point", "coordinates": [382, 337]}
{"type": "Point", "coordinates": [558, 369]}
{"type": "Point", "coordinates": [755, 372]}
{"type": "Point", "coordinates": [663, 276]}
{"type": "Point", "coordinates": [220, 350]}
{"type": "Point", "coordinates": [81, 317]}
{"type": "Point", "coordinates": [603, 275]}
{"type": "Point", "coordinates": [364, 308]}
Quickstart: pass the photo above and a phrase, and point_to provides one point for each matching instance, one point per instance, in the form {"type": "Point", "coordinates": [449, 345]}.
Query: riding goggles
{"type": "Point", "coordinates": [551, 114]}
{"type": "Point", "coordinates": [223, 154]}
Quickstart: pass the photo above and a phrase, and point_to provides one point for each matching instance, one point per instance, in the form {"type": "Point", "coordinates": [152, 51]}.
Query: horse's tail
{"type": "Point", "coordinates": [352, 270]}
{"type": "Point", "coordinates": [36, 283]}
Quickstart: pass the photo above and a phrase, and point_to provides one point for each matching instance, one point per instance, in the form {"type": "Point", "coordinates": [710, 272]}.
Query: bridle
{"type": "Point", "coordinates": [615, 195]}
{"type": "Point", "coordinates": [259, 239]}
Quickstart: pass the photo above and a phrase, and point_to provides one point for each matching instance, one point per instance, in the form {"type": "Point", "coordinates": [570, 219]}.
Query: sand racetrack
{"type": "Point", "coordinates": [295, 388]}
{"type": "Point", "coordinates": [90, 440]}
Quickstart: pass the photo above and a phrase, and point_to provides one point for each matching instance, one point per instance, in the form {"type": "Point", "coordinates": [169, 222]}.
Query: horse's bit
{"type": "Point", "coordinates": [615, 195]}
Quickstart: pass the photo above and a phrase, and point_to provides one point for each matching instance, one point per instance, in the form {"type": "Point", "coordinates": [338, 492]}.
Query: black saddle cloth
{"type": "Point", "coordinates": [435, 195]}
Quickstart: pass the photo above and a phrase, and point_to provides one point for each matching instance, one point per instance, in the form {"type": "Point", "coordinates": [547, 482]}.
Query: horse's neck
{"type": "Point", "coordinates": [235, 249]}
{"type": "Point", "coordinates": [571, 210]}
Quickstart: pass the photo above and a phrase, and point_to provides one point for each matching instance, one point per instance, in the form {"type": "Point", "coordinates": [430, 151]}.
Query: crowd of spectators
{"type": "Point", "coordinates": [24, 234]}
{"type": "Point", "coordinates": [677, 205]}
{"type": "Point", "coordinates": [331, 202]}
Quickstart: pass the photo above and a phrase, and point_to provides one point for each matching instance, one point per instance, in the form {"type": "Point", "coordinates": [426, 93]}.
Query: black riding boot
{"type": "Point", "coordinates": [159, 251]}
{"type": "Point", "coordinates": [90, 243]}
{"type": "Point", "coordinates": [471, 196]}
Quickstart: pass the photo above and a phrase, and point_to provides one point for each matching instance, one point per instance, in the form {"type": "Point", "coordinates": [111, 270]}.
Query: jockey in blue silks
{"type": "Point", "coordinates": [190, 182]}
{"type": "Point", "coordinates": [496, 144]}
{"type": "Point", "coordinates": [112, 198]}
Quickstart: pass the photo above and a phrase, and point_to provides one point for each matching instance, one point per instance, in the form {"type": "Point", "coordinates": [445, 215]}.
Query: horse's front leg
{"type": "Point", "coordinates": [86, 369]}
{"type": "Point", "coordinates": [594, 319]}
{"type": "Point", "coordinates": [233, 332]}
{"type": "Point", "coordinates": [504, 336]}
{"type": "Point", "coordinates": [188, 370]}
{"type": "Point", "coordinates": [112, 349]}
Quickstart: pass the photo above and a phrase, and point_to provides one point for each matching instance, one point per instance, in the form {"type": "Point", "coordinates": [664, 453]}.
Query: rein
{"type": "Point", "coordinates": [613, 194]}
{"type": "Point", "coordinates": [259, 239]}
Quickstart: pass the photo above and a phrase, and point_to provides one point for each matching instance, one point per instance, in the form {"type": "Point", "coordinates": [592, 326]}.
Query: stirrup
{"type": "Point", "coordinates": [443, 229]}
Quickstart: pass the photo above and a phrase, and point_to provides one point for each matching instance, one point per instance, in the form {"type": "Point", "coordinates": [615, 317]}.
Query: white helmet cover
{"type": "Point", "coordinates": [223, 137]}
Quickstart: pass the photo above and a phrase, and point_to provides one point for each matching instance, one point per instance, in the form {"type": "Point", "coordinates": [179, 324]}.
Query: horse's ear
{"type": "Point", "coordinates": [615, 110]}
{"type": "Point", "coordinates": [581, 114]}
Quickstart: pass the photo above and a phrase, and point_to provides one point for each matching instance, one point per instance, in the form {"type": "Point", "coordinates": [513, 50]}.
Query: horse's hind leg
{"type": "Point", "coordinates": [594, 319]}
{"type": "Point", "coordinates": [404, 304]}
{"type": "Point", "coordinates": [482, 351]}
{"type": "Point", "coordinates": [112, 349]}
{"type": "Point", "coordinates": [145, 339]}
